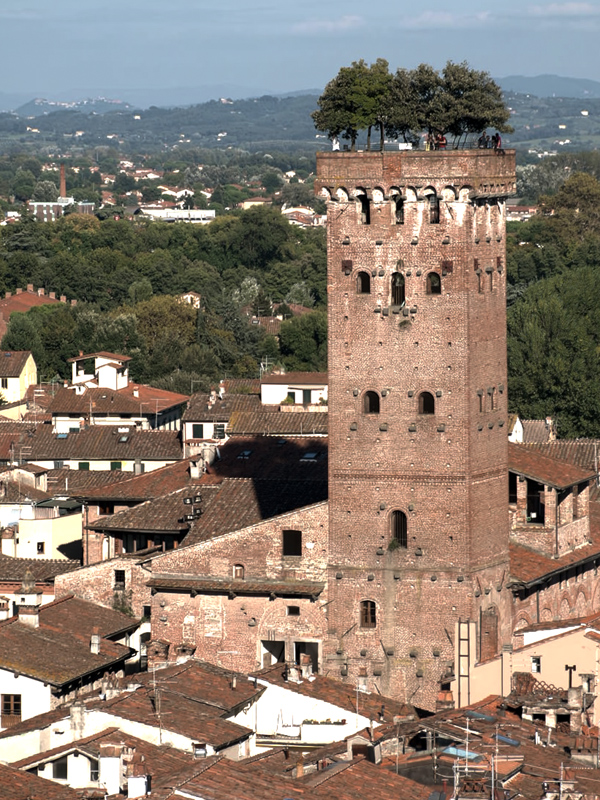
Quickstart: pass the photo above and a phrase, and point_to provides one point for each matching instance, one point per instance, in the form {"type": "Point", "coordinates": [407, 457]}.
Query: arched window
{"type": "Point", "coordinates": [371, 403]}
{"type": "Point", "coordinates": [434, 209]}
{"type": "Point", "coordinates": [399, 211]}
{"type": "Point", "coordinates": [368, 614]}
{"type": "Point", "coordinates": [399, 529]}
{"type": "Point", "coordinates": [238, 572]}
{"type": "Point", "coordinates": [363, 283]}
{"type": "Point", "coordinates": [434, 283]}
{"type": "Point", "coordinates": [426, 403]}
{"type": "Point", "coordinates": [365, 209]}
{"type": "Point", "coordinates": [398, 293]}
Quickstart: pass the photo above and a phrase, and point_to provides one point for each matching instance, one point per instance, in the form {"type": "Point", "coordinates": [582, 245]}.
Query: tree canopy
{"type": "Point", "coordinates": [457, 101]}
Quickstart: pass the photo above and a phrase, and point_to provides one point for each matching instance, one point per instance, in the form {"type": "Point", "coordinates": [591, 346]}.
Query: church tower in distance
{"type": "Point", "coordinates": [418, 476]}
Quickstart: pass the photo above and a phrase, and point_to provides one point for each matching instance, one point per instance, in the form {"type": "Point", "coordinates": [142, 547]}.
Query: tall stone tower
{"type": "Point", "coordinates": [418, 483]}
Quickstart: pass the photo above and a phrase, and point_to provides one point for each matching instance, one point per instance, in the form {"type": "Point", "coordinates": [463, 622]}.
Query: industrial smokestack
{"type": "Point", "coordinates": [63, 181]}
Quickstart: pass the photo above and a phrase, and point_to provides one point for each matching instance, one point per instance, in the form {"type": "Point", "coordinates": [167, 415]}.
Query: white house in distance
{"type": "Point", "coordinates": [110, 370]}
{"type": "Point", "coordinates": [18, 371]}
{"type": "Point", "coordinates": [304, 388]}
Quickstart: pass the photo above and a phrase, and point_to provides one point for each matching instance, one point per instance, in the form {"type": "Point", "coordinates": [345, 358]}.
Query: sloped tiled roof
{"type": "Point", "coordinates": [270, 457]}
{"type": "Point", "coordinates": [56, 655]}
{"type": "Point", "coordinates": [180, 713]}
{"type": "Point", "coordinates": [103, 442]}
{"type": "Point", "coordinates": [265, 422]}
{"type": "Point", "coordinates": [199, 410]}
{"type": "Point", "coordinates": [100, 354]}
{"type": "Point", "coordinates": [161, 514]}
{"type": "Point", "coordinates": [43, 570]}
{"type": "Point", "coordinates": [246, 587]}
{"type": "Point", "coordinates": [241, 502]}
{"type": "Point", "coordinates": [158, 759]}
{"type": "Point", "coordinates": [342, 695]}
{"type": "Point", "coordinates": [152, 399]}
{"type": "Point", "coordinates": [545, 468]}
{"type": "Point", "coordinates": [536, 430]}
{"type": "Point", "coordinates": [74, 615]}
{"type": "Point", "coordinates": [82, 482]}
{"type": "Point", "coordinates": [18, 785]}
{"type": "Point", "coordinates": [12, 362]}
{"type": "Point", "coordinates": [296, 378]}
{"type": "Point", "coordinates": [95, 400]}
{"type": "Point", "coordinates": [584, 453]}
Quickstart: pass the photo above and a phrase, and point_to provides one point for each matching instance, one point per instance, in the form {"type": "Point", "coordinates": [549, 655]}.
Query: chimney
{"type": "Point", "coordinates": [136, 391]}
{"type": "Point", "coordinates": [63, 181]}
{"type": "Point", "coordinates": [137, 776]}
{"type": "Point", "coordinates": [95, 642]}
{"type": "Point", "coordinates": [30, 287]}
{"type": "Point", "coordinates": [110, 767]}
{"type": "Point", "coordinates": [18, 291]}
{"type": "Point", "coordinates": [234, 682]}
{"type": "Point", "coordinates": [306, 665]}
{"type": "Point", "coordinates": [7, 295]}
{"type": "Point", "coordinates": [63, 298]}
{"type": "Point", "coordinates": [41, 291]}
{"type": "Point", "coordinates": [30, 600]}
{"type": "Point", "coordinates": [52, 295]}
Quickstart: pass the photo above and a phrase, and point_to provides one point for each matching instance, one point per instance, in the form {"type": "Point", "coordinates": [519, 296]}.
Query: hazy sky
{"type": "Point", "coordinates": [278, 45]}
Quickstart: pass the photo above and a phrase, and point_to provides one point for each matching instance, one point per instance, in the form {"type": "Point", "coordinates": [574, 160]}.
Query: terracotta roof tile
{"type": "Point", "coordinates": [164, 514]}
{"type": "Point", "coordinates": [12, 362]}
{"type": "Point", "coordinates": [545, 468]}
{"type": "Point", "coordinates": [103, 442]}
{"type": "Point", "coordinates": [266, 422]}
{"type": "Point", "coordinates": [269, 457]}
{"type": "Point", "coordinates": [296, 379]}
{"type": "Point", "coordinates": [43, 570]}
{"type": "Point", "coordinates": [240, 502]}
{"type": "Point", "coordinates": [536, 430]}
{"type": "Point", "coordinates": [55, 655]}
{"type": "Point", "coordinates": [246, 587]}
{"type": "Point", "coordinates": [199, 410]}
{"type": "Point", "coordinates": [152, 398]}
{"type": "Point", "coordinates": [342, 695]}
{"type": "Point", "coordinates": [17, 785]}
{"type": "Point", "coordinates": [99, 354]}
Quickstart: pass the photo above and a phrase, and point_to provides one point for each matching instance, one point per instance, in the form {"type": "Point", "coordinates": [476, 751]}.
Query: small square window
{"type": "Point", "coordinates": [293, 611]}
{"type": "Point", "coordinates": [292, 543]}
{"type": "Point", "coordinates": [219, 430]}
{"type": "Point", "coordinates": [536, 663]}
{"type": "Point", "coordinates": [41, 548]}
{"type": "Point", "coordinates": [115, 465]}
{"type": "Point", "coordinates": [5, 383]}
{"type": "Point", "coordinates": [198, 430]}
{"type": "Point", "coordinates": [84, 465]}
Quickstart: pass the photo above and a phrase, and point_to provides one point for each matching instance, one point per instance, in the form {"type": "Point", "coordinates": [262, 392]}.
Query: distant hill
{"type": "Point", "coordinates": [97, 105]}
{"type": "Point", "coordinates": [551, 86]}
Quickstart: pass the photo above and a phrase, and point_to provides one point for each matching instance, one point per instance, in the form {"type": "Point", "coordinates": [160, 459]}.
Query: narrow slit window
{"type": "Point", "coordinates": [398, 289]}
{"type": "Point", "coordinates": [371, 403]}
{"type": "Point", "coordinates": [399, 529]}
{"type": "Point", "coordinates": [426, 403]}
{"type": "Point", "coordinates": [434, 209]}
{"type": "Point", "coordinates": [363, 283]}
{"type": "Point", "coordinates": [399, 211]}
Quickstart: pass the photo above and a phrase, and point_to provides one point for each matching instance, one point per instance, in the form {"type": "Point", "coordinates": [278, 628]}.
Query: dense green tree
{"type": "Point", "coordinates": [303, 342]}
{"type": "Point", "coordinates": [45, 191]}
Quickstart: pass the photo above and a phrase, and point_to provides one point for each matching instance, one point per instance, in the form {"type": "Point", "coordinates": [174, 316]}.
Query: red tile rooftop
{"type": "Point", "coordinates": [545, 468]}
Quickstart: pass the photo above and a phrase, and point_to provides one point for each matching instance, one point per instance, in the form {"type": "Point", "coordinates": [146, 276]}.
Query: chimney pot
{"type": "Point", "coordinates": [52, 295]}
{"type": "Point", "coordinates": [95, 642]}
{"type": "Point", "coordinates": [19, 291]}
{"type": "Point", "coordinates": [30, 287]}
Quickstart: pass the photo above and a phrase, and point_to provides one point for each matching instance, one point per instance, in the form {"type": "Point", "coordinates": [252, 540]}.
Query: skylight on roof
{"type": "Point", "coordinates": [123, 438]}
{"type": "Point", "coordinates": [245, 454]}
{"type": "Point", "coordinates": [309, 457]}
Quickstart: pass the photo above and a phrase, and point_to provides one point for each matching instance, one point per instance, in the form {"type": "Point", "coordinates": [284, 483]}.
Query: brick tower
{"type": "Point", "coordinates": [418, 483]}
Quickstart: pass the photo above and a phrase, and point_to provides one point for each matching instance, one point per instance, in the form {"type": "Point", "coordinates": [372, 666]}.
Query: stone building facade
{"type": "Point", "coordinates": [418, 525]}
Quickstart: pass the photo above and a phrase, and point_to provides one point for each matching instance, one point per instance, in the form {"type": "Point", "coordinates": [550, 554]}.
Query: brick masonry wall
{"type": "Point", "coordinates": [446, 471]}
{"type": "Point", "coordinates": [96, 583]}
{"type": "Point", "coordinates": [571, 594]}
{"type": "Point", "coordinates": [229, 631]}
